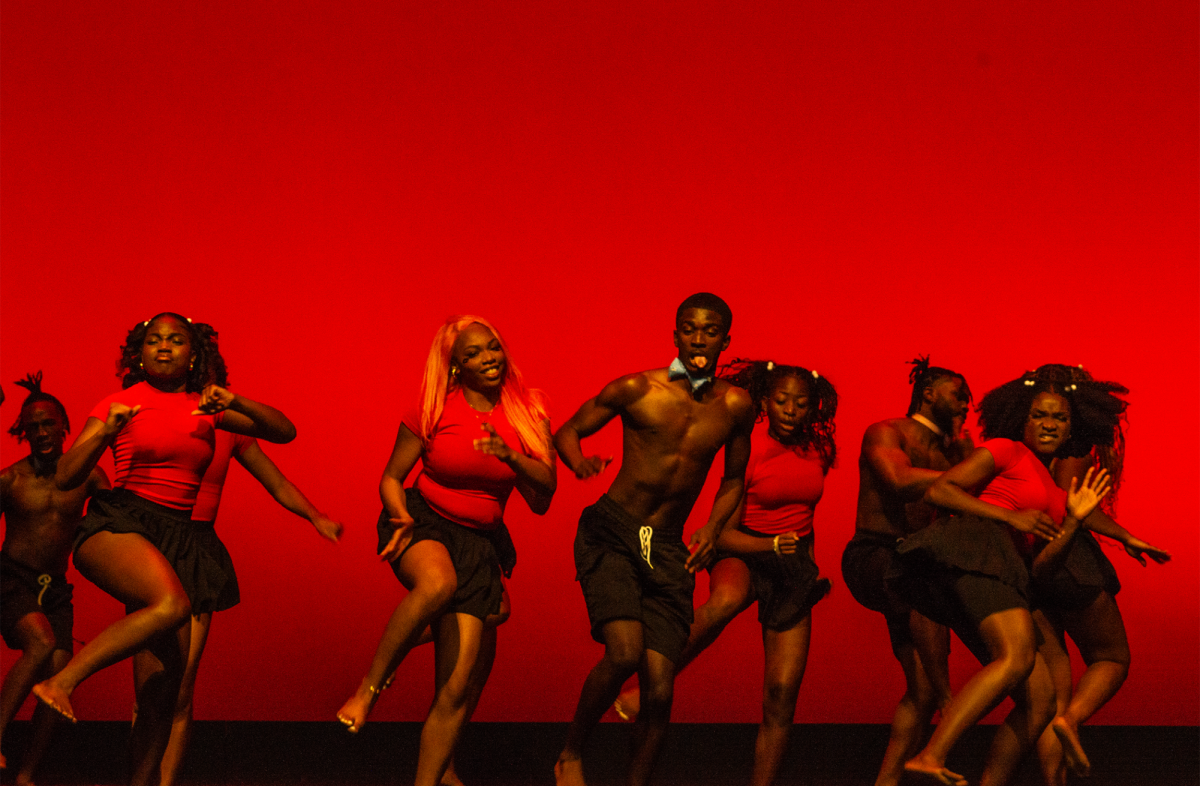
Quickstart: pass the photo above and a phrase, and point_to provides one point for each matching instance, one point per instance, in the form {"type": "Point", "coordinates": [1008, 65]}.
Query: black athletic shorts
{"type": "Point", "coordinates": [25, 590]}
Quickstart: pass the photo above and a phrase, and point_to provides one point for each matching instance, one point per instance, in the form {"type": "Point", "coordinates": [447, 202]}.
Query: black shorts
{"type": "Point", "coordinates": [475, 553]}
{"type": "Point", "coordinates": [959, 571]}
{"type": "Point", "coordinates": [229, 594]}
{"type": "Point", "coordinates": [866, 562]}
{"type": "Point", "coordinates": [630, 571]}
{"type": "Point", "coordinates": [167, 529]}
{"type": "Point", "coordinates": [787, 585]}
{"type": "Point", "coordinates": [25, 590]}
{"type": "Point", "coordinates": [1084, 574]}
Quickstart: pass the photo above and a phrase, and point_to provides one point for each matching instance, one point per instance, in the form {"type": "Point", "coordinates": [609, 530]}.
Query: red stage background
{"type": "Point", "coordinates": [998, 184]}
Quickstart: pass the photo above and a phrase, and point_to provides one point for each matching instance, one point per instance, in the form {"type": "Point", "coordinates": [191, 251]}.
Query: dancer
{"type": "Point", "coordinates": [768, 556]}
{"type": "Point", "coordinates": [251, 456]}
{"type": "Point", "coordinates": [1077, 596]}
{"type": "Point", "coordinates": [137, 542]}
{"type": "Point", "coordinates": [900, 460]}
{"type": "Point", "coordinates": [479, 433]}
{"type": "Point", "coordinates": [36, 615]}
{"type": "Point", "coordinates": [966, 571]}
{"type": "Point", "coordinates": [632, 565]}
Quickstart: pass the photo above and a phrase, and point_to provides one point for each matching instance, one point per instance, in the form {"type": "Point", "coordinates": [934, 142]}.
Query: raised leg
{"type": "Point", "coordinates": [786, 655]}
{"type": "Point", "coordinates": [623, 648]}
{"type": "Point", "coordinates": [428, 573]}
{"type": "Point", "coordinates": [134, 572]}
{"type": "Point", "coordinates": [730, 592]}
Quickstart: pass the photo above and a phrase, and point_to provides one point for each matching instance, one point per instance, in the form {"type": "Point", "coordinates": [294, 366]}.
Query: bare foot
{"type": "Point", "coordinates": [1077, 760]}
{"type": "Point", "coordinates": [354, 712]}
{"type": "Point", "coordinates": [931, 772]}
{"type": "Point", "coordinates": [628, 704]}
{"type": "Point", "coordinates": [54, 698]}
{"type": "Point", "coordinates": [568, 772]}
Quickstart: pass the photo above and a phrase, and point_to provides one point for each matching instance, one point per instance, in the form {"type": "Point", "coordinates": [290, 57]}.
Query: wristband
{"type": "Point", "coordinates": [775, 545]}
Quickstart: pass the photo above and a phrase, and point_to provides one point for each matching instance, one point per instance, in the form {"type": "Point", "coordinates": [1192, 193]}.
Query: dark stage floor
{"type": "Point", "coordinates": [516, 754]}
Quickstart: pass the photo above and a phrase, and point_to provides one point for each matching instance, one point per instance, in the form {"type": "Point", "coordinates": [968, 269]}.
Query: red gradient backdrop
{"type": "Point", "coordinates": [999, 185]}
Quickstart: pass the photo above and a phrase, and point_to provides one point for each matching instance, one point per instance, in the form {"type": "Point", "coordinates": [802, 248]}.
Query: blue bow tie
{"type": "Point", "coordinates": [678, 371]}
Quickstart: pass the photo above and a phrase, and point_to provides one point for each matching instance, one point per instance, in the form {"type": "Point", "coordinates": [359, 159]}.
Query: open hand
{"type": "Point", "coordinates": [1034, 522]}
{"type": "Point", "coordinates": [214, 399]}
{"type": "Point", "coordinates": [1083, 499]}
{"type": "Point", "coordinates": [400, 539]}
{"type": "Point", "coordinates": [1140, 549]}
{"type": "Point", "coordinates": [703, 548]}
{"type": "Point", "coordinates": [494, 444]}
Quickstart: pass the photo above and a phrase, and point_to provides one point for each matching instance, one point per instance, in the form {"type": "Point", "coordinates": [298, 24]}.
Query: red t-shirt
{"type": "Point", "coordinates": [208, 499]}
{"type": "Point", "coordinates": [1022, 482]}
{"type": "Point", "coordinates": [783, 485]}
{"type": "Point", "coordinates": [465, 485]}
{"type": "Point", "coordinates": [163, 451]}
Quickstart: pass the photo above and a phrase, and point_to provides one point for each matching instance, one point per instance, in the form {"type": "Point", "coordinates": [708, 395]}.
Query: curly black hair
{"type": "Point", "coordinates": [1097, 413]}
{"type": "Point", "coordinates": [924, 376]}
{"type": "Point", "coordinates": [759, 377]}
{"type": "Point", "coordinates": [33, 383]}
{"type": "Point", "coordinates": [208, 367]}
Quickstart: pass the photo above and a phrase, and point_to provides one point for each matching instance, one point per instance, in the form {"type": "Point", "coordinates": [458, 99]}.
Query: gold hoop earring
{"type": "Point", "coordinates": [142, 365]}
{"type": "Point", "coordinates": [454, 371]}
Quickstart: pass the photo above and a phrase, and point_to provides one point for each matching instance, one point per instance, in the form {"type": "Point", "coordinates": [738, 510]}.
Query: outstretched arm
{"type": "Point", "coordinates": [1065, 472]}
{"type": "Point", "coordinates": [259, 465]}
{"type": "Point", "coordinates": [591, 417]}
{"type": "Point", "coordinates": [884, 453]}
{"type": "Point", "coordinates": [405, 454]}
{"type": "Point", "coordinates": [951, 491]}
{"type": "Point", "coordinates": [76, 464]}
{"type": "Point", "coordinates": [245, 416]}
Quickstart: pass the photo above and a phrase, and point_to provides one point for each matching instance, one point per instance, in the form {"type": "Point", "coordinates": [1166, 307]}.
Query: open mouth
{"type": "Point", "coordinates": [699, 362]}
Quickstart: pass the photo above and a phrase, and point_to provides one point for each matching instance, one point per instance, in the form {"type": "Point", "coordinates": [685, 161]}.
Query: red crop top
{"type": "Point", "coordinates": [1022, 482]}
{"type": "Point", "coordinates": [463, 484]}
{"type": "Point", "coordinates": [783, 485]}
{"type": "Point", "coordinates": [163, 451]}
{"type": "Point", "coordinates": [208, 499]}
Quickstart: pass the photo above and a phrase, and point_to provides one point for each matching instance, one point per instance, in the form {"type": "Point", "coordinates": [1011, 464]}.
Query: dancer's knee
{"type": "Point", "coordinates": [37, 638]}
{"type": "Point", "coordinates": [172, 610]}
{"type": "Point", "coordinates": [436, 588]}
{"type": "Point", "coordinates": [779, 702]}
{"type": "Point", "coordinates": [623, 656]}
{"type": "Point", "coordinates": [657, 695]}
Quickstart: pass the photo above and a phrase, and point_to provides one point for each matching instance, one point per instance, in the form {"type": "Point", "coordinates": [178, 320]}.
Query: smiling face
{"type": "Point", "coordinates": [701, 336]}
{"type": "Point", "coordinates": [1048, 425]}
{"type": "Point", "coordinates": [787, 408]}
{"type": "Point", "coordinates": [166, 350]}
{"type": "Point", "coordinates": [42, 424]}
{"type": "Point", "coordinates": [479, 359]}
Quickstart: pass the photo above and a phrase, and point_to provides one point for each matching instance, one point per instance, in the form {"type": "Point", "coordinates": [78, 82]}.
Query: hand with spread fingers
{"type": "Point", "coordinates": [400, 539]}
{"type": "Point", "coordinates": [1083, 498]}
{"type": "Point", "coordinates": [494, 445]}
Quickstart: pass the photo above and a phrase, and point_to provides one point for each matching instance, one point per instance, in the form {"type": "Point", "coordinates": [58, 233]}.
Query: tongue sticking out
{"type": "Point", "coordinates": [699, 361]}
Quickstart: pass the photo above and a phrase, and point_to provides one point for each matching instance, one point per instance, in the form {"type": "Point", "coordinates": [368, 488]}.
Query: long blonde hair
{"type": "Point", "coordinates": [524, 408]}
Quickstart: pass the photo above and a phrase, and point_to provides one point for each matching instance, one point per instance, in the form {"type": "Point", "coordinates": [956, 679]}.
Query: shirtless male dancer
{"type": "Point", "coordinates": [631, 562]}
{"type": "Point", "coordinates": [36, 614]}
{"type": "Point", "coordinates": [900, 459]}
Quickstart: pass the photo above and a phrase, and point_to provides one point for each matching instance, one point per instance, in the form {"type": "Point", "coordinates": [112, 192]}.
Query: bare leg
{"type": "Point", "coordinates": [729, 594]}
{"type": "Point", "coordinates": [925, 662]}
{"type": "Point", "coordinates": [1099, 632]}
{"type": "Point", "coordinates": [134, 572]}
{"type": "Point", "coordinates": [1053, 649]}
{"type": "Point", "coordinates": [181, 724]}
{"type": "Point", "coordinates": [428, 573]}
{"type": "Point", "coordinates": [457, 650]}
{"type": "Point", "coordinates": [158, 673]}
{"type": "Point", "coordinates": [623, 650]}
{"type": "Point", "coordinates": [786, 654]}
{"type": "Point", "coordinates": [1034, 707]}
{"type": "Point", "coordinates": [479, 676]}
{"type": "Point", "coordinates": [44, 721]}
{"type": "Point", "coordinates": [36, 638]}
{"type": "Point", "coordinates": [656, 678]}
{"type": "Point", "coordinates": [1011, 640]}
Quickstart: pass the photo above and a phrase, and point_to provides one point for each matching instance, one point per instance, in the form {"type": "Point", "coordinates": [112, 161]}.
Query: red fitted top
{"type": "Point", "coordinates": [463, 484]}
{"type": "Point", "coordinates": [783, 485]}
{"type": "Point", "coordinates": [163, 451]}
{"type": "Point", "coordinates": [1022, 482]}
{"type": "Point", "coordinates": [208, 499]}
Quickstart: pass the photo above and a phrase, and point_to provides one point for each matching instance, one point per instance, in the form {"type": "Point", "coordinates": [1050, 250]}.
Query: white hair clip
{"type": "Point", "coordinates": [146, 323]}
{"type": "Point", "coordinates": [1030, 383]}
{"type": "Point", "coordinates": [770, 365]}
{"type": "Point", "coordinates": [189, 319]}
{"type": "Point", "coordinates": [1081, 365]}
{"type": "Point", "coordinates": [816, 375]}
{"type": "Point", "coordinates": [1074, 387]}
